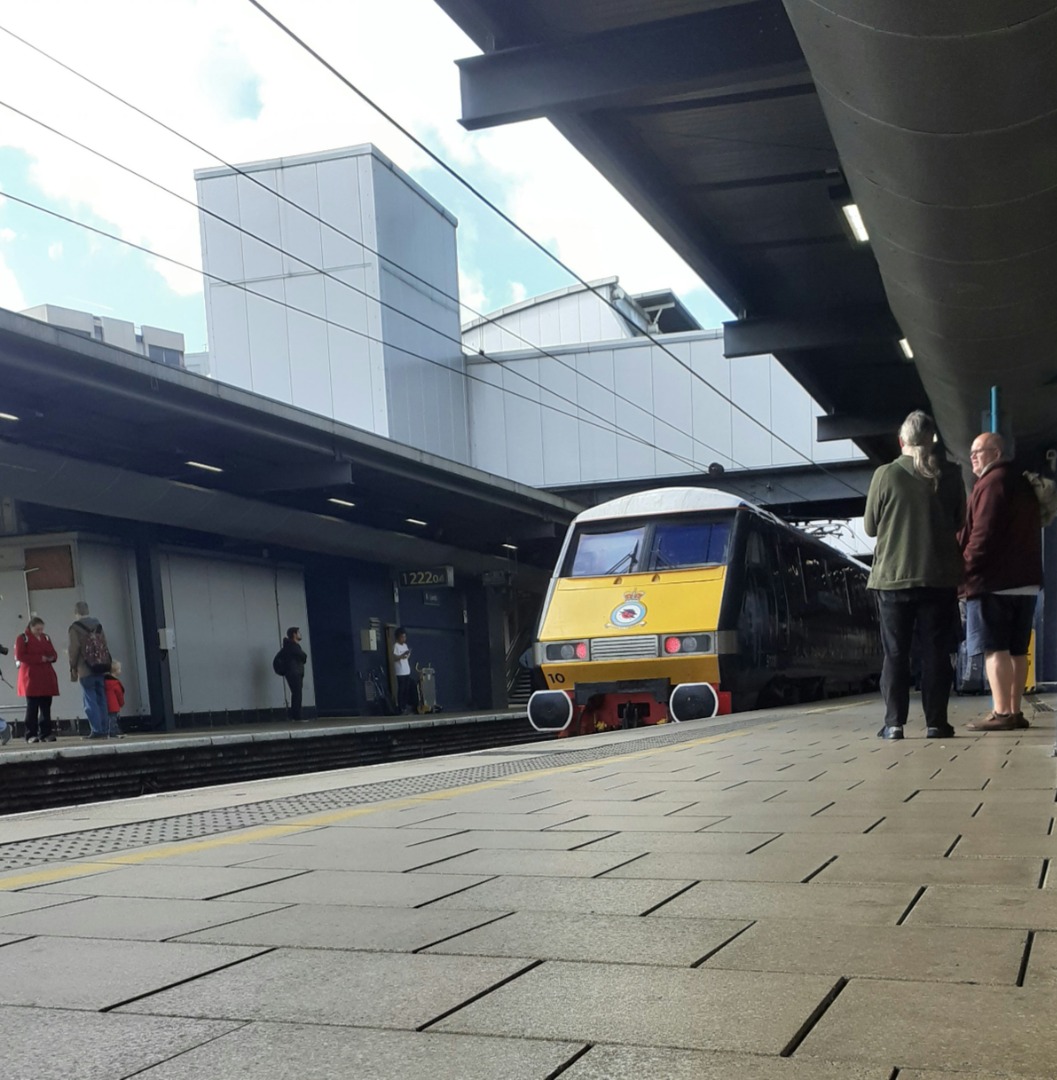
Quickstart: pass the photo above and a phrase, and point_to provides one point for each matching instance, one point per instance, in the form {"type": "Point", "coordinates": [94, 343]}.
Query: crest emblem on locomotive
{"type": "Point", "coordinates": [630, 612]}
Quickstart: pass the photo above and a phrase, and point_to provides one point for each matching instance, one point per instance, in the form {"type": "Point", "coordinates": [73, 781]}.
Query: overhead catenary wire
{"type": "Point", "coordinates": [362, 292]}
{"type": "Point", "coordinates": [691, 463]}
{"type": "Point", "coordinates": [472, 188]}
{"type": "Point", "coordinates": [607, 427]}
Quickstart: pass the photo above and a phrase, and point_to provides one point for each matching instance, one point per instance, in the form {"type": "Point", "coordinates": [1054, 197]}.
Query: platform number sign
{"type": "Point", "coordinates": [433, 577]}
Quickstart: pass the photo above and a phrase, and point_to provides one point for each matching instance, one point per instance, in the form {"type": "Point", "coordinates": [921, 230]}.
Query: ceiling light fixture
{"type": "Point", "coordinates": [342, 502]}
{"type": "Point", "coordinates": [203, 465]}
{"type": "Point", "coordinates": [855, 222]}
{"type": "Point", "coordinates": [908, 352]}
{"type": "Point", "coordinates": [415, 521]}
{"type": "Point", "coordinates": [510, 547]}
{"type": "Point", "coordinates": [8, 416]}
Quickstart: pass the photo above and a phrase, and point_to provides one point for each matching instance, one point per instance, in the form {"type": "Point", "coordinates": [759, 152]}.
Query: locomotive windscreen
{"type": "Point", "coordinates": [604, 548]}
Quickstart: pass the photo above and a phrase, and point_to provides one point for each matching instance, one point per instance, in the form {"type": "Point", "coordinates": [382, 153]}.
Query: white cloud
{"type": "Point", "coordinates": [241, 87]}
{"type": "Point", "coordinates": [518, 292]}
{"type": "Point", "coordinates": [472, 294]}
{"type": "Point", "coordinates": [55, 251]}
{"type": "Point", "coordinates": [7, 235]}
{"type": "Point", "coordinates": [11, 296]}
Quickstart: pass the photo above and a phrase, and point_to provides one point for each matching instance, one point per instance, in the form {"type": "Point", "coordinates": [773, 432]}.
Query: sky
{"type": "Point", "coordinates": [220, 72]}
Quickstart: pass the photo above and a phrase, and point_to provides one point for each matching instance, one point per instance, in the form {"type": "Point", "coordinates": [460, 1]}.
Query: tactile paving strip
{"type": "Point", "coordinates": [94, 842]}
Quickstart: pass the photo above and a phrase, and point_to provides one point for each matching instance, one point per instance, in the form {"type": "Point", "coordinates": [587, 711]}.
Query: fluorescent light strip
{"type": "Point", "coordinates": [203, 465]}
{"type": "Point", "coordinates": [342, 502]}
{"type": "Point", "coordinates": [855, 221]}
{"type": "Point", "coordinates": [415, 521]}
{"type": "Point", "coordinates": [908, 352]}
{"type": "Point", "coordinates": [8, 416]}
{"type": "Point", "coordinates": [510, 547]}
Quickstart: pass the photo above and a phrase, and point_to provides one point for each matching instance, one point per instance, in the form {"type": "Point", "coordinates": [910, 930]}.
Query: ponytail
{"type": "Point", "coordinates": [918, 435]}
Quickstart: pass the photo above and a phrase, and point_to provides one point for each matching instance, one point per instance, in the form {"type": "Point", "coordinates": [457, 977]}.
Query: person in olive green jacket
{"type": "Point", "coordinates": [915, 507]}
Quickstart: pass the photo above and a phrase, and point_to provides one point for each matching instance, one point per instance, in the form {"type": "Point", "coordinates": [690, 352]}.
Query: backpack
{"type": "Point", "coordinates": [95, 652]}
{"type": "Point", "coordinates": [1046, 492]}
{"type": "Point", "coordinates": [279, 663]}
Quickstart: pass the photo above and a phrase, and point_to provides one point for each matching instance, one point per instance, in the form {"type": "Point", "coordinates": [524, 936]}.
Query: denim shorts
{"type": "Point", "coordinates": [997, 623]}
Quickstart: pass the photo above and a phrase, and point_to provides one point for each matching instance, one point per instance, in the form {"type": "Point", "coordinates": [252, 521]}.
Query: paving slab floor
{"type": "Point", "coordinates": [774, 896]}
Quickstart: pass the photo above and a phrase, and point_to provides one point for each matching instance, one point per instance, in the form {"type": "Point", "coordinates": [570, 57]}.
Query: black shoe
{"type": "Point", "coordinates": [94, 735]}
{"type": "Point", "coordinates": [895, 731]}
{"type": "Point", "coordinates": [945, 732]}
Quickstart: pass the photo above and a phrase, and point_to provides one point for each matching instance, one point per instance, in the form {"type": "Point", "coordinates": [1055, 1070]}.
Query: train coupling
{"type": "Point", "coordinates": [550, 710]}
{"type": "Point", "coordinates": [693, 701]}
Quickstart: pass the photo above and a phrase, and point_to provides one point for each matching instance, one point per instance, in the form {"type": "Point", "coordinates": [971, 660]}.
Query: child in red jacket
{"type": "Point", "coordinates": [115, 698]}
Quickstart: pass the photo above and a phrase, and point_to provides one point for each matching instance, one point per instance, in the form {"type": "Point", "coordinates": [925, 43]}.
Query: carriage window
{"type": "Point", "coordinates": [601, 553]}
{"type": "Point", "coordinates": [692, 543]}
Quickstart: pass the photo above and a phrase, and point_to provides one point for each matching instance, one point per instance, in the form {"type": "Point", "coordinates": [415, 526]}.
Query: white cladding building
{"type": "Point", "coordinates": [338, 293]}
{"type": "Point", "coordinates": [593, 399]}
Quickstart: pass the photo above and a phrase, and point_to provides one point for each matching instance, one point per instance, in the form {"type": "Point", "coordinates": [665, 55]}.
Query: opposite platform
{"type": "Point", "coordinates": [787, 897]}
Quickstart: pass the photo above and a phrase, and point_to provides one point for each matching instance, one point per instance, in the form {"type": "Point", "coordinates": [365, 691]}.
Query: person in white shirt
{"type": "Point", "coordinates": [402, 669]}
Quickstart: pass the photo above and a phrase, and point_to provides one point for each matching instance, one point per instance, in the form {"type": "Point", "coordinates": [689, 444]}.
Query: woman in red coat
{"type": "Point", "coordinates": [37, 681]}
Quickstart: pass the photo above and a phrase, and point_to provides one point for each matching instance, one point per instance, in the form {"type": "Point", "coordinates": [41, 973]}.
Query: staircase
{"type": "Point", "coordinates": [521, 691]}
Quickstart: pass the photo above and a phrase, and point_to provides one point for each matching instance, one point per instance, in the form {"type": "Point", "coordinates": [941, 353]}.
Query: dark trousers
{"type": "Point", "coordinates": [934, 612]}
{"type": "Point", "coordinates": [403, 693]}
{"type": "Point", "coordinates": [38, 707]}
{"type": "Point", "coordinates": [296, 684]}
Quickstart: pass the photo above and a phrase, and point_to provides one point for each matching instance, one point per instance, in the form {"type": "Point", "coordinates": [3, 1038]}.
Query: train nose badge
{"type": "Point", "coordinates": [630, 612]}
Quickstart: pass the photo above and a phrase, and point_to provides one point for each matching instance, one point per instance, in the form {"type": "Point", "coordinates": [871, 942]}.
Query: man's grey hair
{"type": "Point", "coordinates": [80, 609]}
{"type": "Point", "coordinates": [918, 434]}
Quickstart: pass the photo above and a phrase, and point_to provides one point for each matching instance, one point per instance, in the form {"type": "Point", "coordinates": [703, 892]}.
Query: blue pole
{"type": "Point", "coordinates": [994, 408]}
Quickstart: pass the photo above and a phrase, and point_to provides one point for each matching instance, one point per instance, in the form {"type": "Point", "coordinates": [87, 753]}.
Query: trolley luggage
{"type": "Point", "coordinates": [427, 689]}
{"type": "Point", "coordinates": [969, 675]}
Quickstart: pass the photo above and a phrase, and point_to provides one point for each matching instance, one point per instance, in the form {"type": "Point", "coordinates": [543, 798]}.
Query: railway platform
{"type": "Point", "coordinates": [768, 896]}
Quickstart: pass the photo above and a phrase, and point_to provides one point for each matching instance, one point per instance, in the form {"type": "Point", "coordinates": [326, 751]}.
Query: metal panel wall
{"type": "Point", "coordinates": [426, 384]}
{"type": "Point", "coordinates": [105, 577]}
{"type": "Point", "coordinates": [639, 413]}
{"type": "Point", "coordinates": [229, 618]}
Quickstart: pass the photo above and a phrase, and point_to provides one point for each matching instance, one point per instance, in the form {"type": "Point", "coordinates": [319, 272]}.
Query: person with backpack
{"type": "Point", "coordinates": [37, 681]}
{"type": "Point", "coordinates": [290, 662]}
{"type": "Point", "coordinates": [89, 662]}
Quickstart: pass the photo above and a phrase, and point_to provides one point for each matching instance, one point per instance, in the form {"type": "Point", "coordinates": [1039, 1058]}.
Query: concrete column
{"type": "Point", "coordinates": [152, 617]}
{"type": "Point", "coordinates": [485, 604]}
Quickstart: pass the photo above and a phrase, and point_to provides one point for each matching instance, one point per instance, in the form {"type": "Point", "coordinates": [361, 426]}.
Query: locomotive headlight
{"type": "Point", "coordinates": [672, 645]}
{"type": "Point", "coordinates": [566, 650]}
{"type": "Point", "coordinates": [690, 644]}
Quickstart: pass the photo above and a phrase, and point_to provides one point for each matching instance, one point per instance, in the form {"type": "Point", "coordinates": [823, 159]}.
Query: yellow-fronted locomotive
{"type": "Point", "coordinates": [679, 603]}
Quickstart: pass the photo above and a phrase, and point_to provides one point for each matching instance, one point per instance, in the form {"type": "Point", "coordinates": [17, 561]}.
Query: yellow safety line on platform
{"type": "Point", "coordinates": [270, 832]}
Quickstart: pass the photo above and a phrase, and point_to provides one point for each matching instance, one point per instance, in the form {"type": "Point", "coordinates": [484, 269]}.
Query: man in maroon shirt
{"type": "Point", "coordinates": [1002, 552]}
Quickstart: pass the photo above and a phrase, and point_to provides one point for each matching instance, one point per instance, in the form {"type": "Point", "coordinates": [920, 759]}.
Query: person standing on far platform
{"type": "Point", "coordinates": [1002, 549]}
{"type": "Point", "coordinates": [37, 681]}
{"type": "Point", "coordinates": [115, 699]}
{"type": "Point", "coordinates": [294, 660]}
{"type": "Point", "coordinates": [915, 507]}
{"type": "Point", "coordinates": [89, 661]}
{"type": "Point", "coordinates": [402, 670]}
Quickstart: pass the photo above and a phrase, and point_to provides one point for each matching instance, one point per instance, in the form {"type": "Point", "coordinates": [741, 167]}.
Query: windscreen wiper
{"type": "Point", "coordinates": [631, 558]}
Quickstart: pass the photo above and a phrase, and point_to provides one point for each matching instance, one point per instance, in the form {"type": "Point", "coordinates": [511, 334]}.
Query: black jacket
{"type": "Point", "coordinates": [295, 659]}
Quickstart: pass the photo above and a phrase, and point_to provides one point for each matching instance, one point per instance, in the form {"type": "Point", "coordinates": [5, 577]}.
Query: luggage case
{"type": "Point", "coordinates": [427, 689]}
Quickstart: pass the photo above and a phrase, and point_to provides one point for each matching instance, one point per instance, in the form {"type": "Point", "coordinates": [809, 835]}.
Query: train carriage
{"type": "Point", "coordinates": [679, 603]}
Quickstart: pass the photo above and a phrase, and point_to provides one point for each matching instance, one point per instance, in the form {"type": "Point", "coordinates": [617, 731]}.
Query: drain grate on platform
{"type": "Point", "coordinates": [94, 842]}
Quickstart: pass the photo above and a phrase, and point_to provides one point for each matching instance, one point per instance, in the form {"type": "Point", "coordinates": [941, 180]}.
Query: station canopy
{"type": "Point", "coordinates": [742, 130]}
